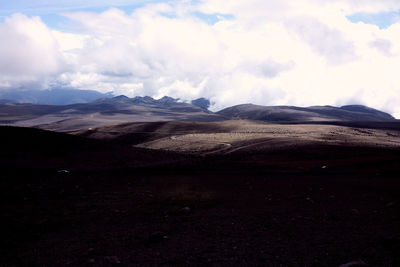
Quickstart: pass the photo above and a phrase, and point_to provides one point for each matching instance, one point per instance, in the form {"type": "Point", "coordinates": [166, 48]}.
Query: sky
{"type": "Point", "coordinates": [277, 52]}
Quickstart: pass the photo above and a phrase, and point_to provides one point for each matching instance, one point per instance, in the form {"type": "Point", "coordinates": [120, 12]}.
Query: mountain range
{"type": "Point", "coordinates": [103, 111]}
{"type": "Point", "coordinates": [122, 109]}
{"type": "Point", "coordinates": [53, 96]}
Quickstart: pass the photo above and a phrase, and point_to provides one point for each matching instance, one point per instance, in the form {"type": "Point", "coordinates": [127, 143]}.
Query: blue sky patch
{"type": "Point", "coordinates": [382, 20]}
{"type": "Point", "coordinates": [50, 11]}
{"type": "Point", "coordinates": [212, 18]}
{"type": "Point", "coordinates": [50, 6]}
{"type": "Point", "coordinates": [51, 14]}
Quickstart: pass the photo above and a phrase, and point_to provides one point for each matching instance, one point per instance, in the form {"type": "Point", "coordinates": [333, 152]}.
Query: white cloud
{"type": "Point", "coordinates": [324, 40]}
{"type": "Point", "coordinates": [271, 52]}
{"type": "Point", "coordinates": [368, 6]}
{"type": "Point", "coordinates": [29, 53]}
{"type": "Point", "coordinates": [382, 45]}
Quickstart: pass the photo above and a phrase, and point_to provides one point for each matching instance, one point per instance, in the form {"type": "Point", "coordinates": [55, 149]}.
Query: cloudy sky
{"type": "Point", "coordinates": [276, 52]}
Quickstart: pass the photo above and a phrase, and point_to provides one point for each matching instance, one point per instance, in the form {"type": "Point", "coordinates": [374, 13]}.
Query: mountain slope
{"type": "Point", "coordinates": [122, 109]}
{"type": "Point", "coordinates": [55, 96]}
{"type": "Point", "coordinates": [103, 111]}
{"type": "Point", "coordinates": [299, 114]}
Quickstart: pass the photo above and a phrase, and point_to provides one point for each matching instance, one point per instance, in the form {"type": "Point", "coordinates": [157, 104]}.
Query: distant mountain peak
{"type": "Point", "coordinates": [147, 98]}
{"type": "Point", "coordinates": [168, 98]}
{"type": "Point", "coordinates": [121, 97]}
{"type": "Point", "coordinates": [142, 100]}
{"type": "Point", "coordinates": [202, 103]}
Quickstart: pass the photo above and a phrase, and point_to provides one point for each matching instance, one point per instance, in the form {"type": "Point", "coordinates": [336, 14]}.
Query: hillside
{"type": "Point", "coordinates": [237, 136]}
{"type": "Point", "coordinates": [299, 114]}
{"type": "Point", "coordinates": [122, 109]}
{"type": "Point", "coordinates": [104, 111]}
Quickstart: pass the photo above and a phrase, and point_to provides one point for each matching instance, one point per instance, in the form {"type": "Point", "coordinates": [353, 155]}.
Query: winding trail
{"type": "Point", "coordinates": [248, 146]}
{"type": "Point", "coordinates": [227, 146]}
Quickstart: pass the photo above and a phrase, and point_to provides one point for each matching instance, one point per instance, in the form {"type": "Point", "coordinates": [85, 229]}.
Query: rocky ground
{"type": "Point", "coordinates": [72, 201]}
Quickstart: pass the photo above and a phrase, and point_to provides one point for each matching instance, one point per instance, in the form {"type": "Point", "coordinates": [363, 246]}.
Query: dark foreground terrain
{"type": "Point", "coordinates": [71, 201]}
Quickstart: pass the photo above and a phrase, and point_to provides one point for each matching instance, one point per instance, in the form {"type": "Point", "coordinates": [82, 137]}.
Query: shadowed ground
{"type": "Point", "coordinates": [72, 201]}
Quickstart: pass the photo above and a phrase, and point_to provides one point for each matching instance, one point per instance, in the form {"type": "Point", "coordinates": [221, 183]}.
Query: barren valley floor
{"type": "Point", "coordinates": [102, 198]}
